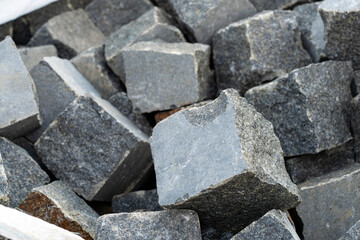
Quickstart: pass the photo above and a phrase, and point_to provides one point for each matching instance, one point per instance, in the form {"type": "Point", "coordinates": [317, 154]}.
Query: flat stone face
{"type": "Point", "coordinates": [4, 188]}
{"type": "Point", "coordinates": [261, 5]}
{"type": "Point", "coordinates": [172, 74]}
{"type": "Point", "coordinates": [32, 56]}
{"type": "Point", "coordinates": [93, 66]}
{"type": "Point", "coordinates": [258, 49]}
{"type": "Point", "coordinates": [71, 33]}
{"type": "Point", "coordinates": [224, 156]}
{"type": "Point", "coordinates": [19, 111]}
{"type": "Point", "coordinates": [330, 204]}
{"type": "Point", "coordinates": [342, 24]}
{"type": "Point", "coordinates": [273, 225]}
{"type": "Point", "coordinates": [153, 25]}
{"type": "Point", "coordinates": [111, 155]}
{"type": "Point", "coordinates": [56, 203]}
{"type": "Point", "coordinates": [167, 225]}
{"type": "Point", "coordinates": [352, 233]}
{"type": "Point", "coordinates": [111, 15]}
{"type": "Point", "coordinates": [22, 172]}
{"type": "Point", "coordinates": [201, 19]}
{"type": "Point", "coordinates": [355, 125]}
{"type": "Point", "coordinates": [301, 105]}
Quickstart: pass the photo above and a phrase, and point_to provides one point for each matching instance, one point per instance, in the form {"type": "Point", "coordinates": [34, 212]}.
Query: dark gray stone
{"type": "Point", "coordinates": [258, 49]}
{"type": "Point", "coordinates": [32, 56]}
{"type": "Point", "coordinates": [136, 201]}
{"type": "Point", "coordinates": [110, 15]}
{"type": "Point", "coordinates": [95, 149]}
{"type": "Point", "coordinates": [71, 33]}
{"type": "Point", "coordinates": [353, 233]}
{"type": "Point", "coordinates": [167, 225]}
{"type": "Point", "coordinates": [5, 30]}
{"type": "Point", "coordinates": [261, 5]}
{"type": "Point", "coordinates": [4, 185]}
{"type": "Point", "coordinates": [152, 25]}
{"type": "Point", "coordinates": [172, 74]}
{"type": "Point", "coordinates": [304, 103]}
{"type": "Point", "coordinates": [19, 111]}
{"type": "Point", "coordinates": [330, 204]}
{"type": "Point", "coordinates": [355, 125]}
{"type": "Point", "coordinates": [224, 156]}
{"type": "Point", "coordinates": [93, 66]}
{"type": "Point", "coordinates": [356, 85]}
{"type": "Point", "coordinates": [201, 19]}
{"type": "Point", "coordinates": [342, 24]}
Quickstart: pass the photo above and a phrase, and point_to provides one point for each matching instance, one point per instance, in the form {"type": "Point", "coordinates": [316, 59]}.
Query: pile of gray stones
{"type": "Point", "coordinates": [182, 119]}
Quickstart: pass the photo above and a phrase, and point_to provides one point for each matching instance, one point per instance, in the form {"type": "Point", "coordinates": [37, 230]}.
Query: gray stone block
{"type": "Point", "coordinates": [167, 225]}
{"type": "Point", "coordinates": [353, 233]}
{"type": "Point", "coordinates": [330, 204]}
{"type": "Point", "coordinates": [172, 74]}
{"type": "Point", "coordinates": [32, 56]}
{"type": "Point", "coordinates": [342, 24]}
{"type": "Point", "coordinates": [4, 188]}
{"type": "Point", "coordinates": [273, 225]}
{"type": "Point", "coordinates": [258, 49]}
{"type": "Point", "coordinates": [224, 156]}
{"type": "Point", "coordinates": [56, 203]}
{"type": "Point", "coordinates": [58, 83]}
{"type": "Point", "coordinates": [356, 85]}
{"type": "Point", "coordinates": [152, 25]}
{"type": "Point", "coordinates": [22, 172]}
{"type": "Point", "coordinates": [136, 201]}
{"type": "Point", "coordinates": [304, 103]}
{"type": "Point", "coordinates": [355, 125]}
{"type": "Point", "coordinates": [93, 66]}
{"type": "Point", "coordinates": [201, 19]}
{"type": "Point", "coordinates": [19, 111]}
{"type": "Point", "coordinates": [261, 5]}
{"type": "Point", "coordinates": [71, 33]}
{"type": "Point", "coordinates": [110, 15]}
{"type": "Point", "coordinates": [95, 149]}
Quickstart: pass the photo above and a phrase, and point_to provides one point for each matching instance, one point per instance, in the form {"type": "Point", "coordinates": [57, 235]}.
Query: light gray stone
{"type": "Point", "coordinates": [152, 25]}
{"type": "Point", "coordinates": [201, 19]}
{"type": "Point", "coordinates": [273, 225]}
{"type": "Point", "coordinates": [355, 125]}
{"type": "Point", "coordinates": [342, 24]}
{"type": "Point", "coordinates": [95, 149]}
{"type": "Point", "coordinates": [353, 233]}
{"type": "Point", "coordinates": [58, 83]}
{"type": "Point", "coordinates": [309, 107]}
{"type": "Point", "coordinates": [330, 204]}
{"type": "Point", "coordinates": [4, 188]}
{"type": "Point", "coordinates": [71, 33]}
{"type": "Point", "coordinates": [167, 225]}
{"type": "Point", "coordinates": [224, 156]}
{"type": "Point", "coordinates": [32, 56]}
{"type": "Point", "coordinates": [110, 15]}
{"type": "Point", "coordinates": [19, 111]}
{"type": "Point", "coordinates": [172, 74]}
{"type": "Point", "coordinates": [261, 5]}
{"type": "Point", "coordinates": [258, 49]}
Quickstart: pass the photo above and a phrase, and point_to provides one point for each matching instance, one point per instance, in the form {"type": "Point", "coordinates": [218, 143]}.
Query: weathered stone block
{"type": "Point", "coordinates": [261, 5]}
{"type": "Point", "coordinates": [172, 74]}
{"type": "Point", "coordinates": [19, 111]}
{"type": "Point", "coordinates": [95, 149]}
{"type": "Point", "coordinates": [71, 33]}
{"type": "Point", "coordinates": [32, 56]}
{"type": "Point", "coordinates": [304, 103]}
{"type": "Point", "coordinates": [353, 233]}
{"type": "Point", "coordinates": [355, 125]}
{"type": "Point", "coordinates": [4, 188]}
{"type": "Point", "coordinates": [56, 203]}
{"type": "Point", "coordinates": [258, 49]}
{"type": "Point", "coordinates": [224, 156]}
{"type": "Point", "coordinates": [167, 225]}
{"type": "Point", "coordinates": [356, 84]}
{"type": "Point", "coordinates": [342, 24]}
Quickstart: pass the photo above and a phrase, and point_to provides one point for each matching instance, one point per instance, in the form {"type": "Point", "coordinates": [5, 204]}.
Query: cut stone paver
{"type": "Point", "coordinates": [32, 56]}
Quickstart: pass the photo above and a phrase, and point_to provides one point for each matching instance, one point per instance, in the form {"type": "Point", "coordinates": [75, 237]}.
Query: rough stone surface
{"type": "Point", "coordinates": [124, 105]}
{"type": "Point", "coordinates": [95, 149]}
{"type": "Point", "coordinates": [5, 30]}
{"type": "Point", "coordinates": [355, 125]}
{"type": "Point", "coordinates": [261, 5]}
{"type": "Point", "coordinates": [258, 49]}
{"type": "Point", "coordinates": [312, 29]}
{"type": "Point", "coordinates": [342, 24]}
{"type": "Point", "coordinates": [110, 15]}
{"type": "Point", "coordinates": [136, 201]}
{"type": "Point", "coordinates": [167, 225]}
{"type": "Point", "coordinates": [19, 111]}
{"type": "Point", "coordinates": [330, 204]}
{"type": "Point", "coordinates": [152, 25]}
{"type": "Point", "coordinates": [201, 19]}
{"type": "Point", "coordinates": [356, 84]}
{"type": "Point", "coordinates": [273, 225]}
{"type": "Point", "coordinates": [4, 188]}
{"type": "Point", "coordinates": [306, 101]}
{"type": "Point", "coordinates": [58, 83]}
{"type": "Point", "coordinates": [71, 33]}
{"type": "Point", "coordinates": [32, 56]}
{"type": "Point", "coordinates": [353, 233]}
{"type": "Point", "coordinates": [93, 66]}
{"type": "Point", "coordinates": [224, 156]}
{"type": "Point", "coordinates": [22, 172]}
{"type": "Point", "coordinates": [56, 203]}
{"type": "Point", "coordinates": [172, 74]}
{"type": "Point", "coordinates": [309, 166]}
